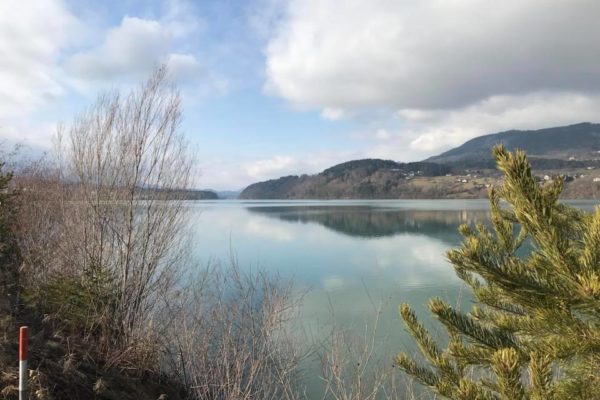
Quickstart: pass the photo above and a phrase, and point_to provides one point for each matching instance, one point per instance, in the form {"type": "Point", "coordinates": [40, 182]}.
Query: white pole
{"type": "Point", "coordinates": [23, 372]}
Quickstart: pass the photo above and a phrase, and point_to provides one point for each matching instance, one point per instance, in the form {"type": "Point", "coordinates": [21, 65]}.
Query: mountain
{"type": "Point", "coordinates": [368, 178]}
{"type": "Point", "coordinates": [199, 195]}
{"type": "Point", "coordinates": [227, 194]}
{"type": "Point", "coordinates": [463, 172]}
{"type": "Point", "coordinates": [580, 141]}
{"type": "Point", "coordinates": [187, 194]}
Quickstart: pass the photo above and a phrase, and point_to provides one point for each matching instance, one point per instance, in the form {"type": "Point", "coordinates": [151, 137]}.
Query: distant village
{"type": "Point", "coordinates": [469, 176]}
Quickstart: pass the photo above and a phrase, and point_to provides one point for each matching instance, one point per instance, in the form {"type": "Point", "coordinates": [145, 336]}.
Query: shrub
{"type": "Point", "coordinates": [81, 304]}
{"type": "Point", "coordinates": [229, 337]}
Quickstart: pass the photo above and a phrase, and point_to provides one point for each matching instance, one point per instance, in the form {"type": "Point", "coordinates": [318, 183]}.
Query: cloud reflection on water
{"type": "Point", "coordinates": [351, 258]}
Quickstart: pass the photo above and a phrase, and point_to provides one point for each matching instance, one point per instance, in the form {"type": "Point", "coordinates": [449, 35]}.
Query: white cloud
{"type": "Point", "coordinates": [183, 67]}
{"type": "Point", "coordinates": [431, 53]}
{"type": "Point", "coordinates": [35, 136]}
{"type": "Point", "coordinates": [501, 113]}
{"type": "Point", "coordinates": [238, 173]}
{"type": "Point", "coordinates": [31, 40]}
{"type": "Point", "coordinates": [282, 165]}
{"type": "Point", "coordinates": [442, 71]}
{"type": "Point", "coordinates": [429, 132]}
{"type": "Point", "coordinates": [332, 114]}
{"type": "Point", "coordinates": [133, 50]}
{"type": "Point", "coordinates": [263, 168]}
{"type": "Point", "coordinates": [181, 19]}
{"type": "Point", "coordinates": [265, 229]}
{"type": "Point", "coordinates": [382, 134]}
{"type": "Point", "coordinates": [48, 61]}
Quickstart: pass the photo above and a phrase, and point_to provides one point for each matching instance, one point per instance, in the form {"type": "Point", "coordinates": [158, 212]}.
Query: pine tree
{"type": "Point", "coordinates": [534, 329]}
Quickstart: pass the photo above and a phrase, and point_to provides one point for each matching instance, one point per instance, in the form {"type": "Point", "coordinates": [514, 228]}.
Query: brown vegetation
{"type": "Point", "coordinates": [93, 258]}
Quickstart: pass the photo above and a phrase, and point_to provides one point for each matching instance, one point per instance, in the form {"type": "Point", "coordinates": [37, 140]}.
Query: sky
{"type": "Point", "coordinates": [280, 87]}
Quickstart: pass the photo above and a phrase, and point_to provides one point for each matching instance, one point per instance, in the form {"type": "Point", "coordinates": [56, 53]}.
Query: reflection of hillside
{"type": "Point", "coordinates": [367, 221]}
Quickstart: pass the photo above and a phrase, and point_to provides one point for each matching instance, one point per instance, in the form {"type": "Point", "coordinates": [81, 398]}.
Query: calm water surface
{"type": "Point", "coordinates": [350, 255]}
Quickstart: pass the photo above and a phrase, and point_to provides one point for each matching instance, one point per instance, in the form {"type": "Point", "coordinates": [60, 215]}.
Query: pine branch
{"type": "Point", "coordinates": [455, 321]}
{"type": "Point", "coordinates": [540, 375]}
{"type": "Point", "coordinates": [505, 363]}
{"type": "Point", "coordinates": [423, 375]}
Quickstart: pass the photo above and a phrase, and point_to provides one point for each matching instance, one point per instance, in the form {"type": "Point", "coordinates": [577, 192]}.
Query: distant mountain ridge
{"type": "Point", "coordinates": [561, 148]}
{"type": "Point", "coordinates": [581, 141]}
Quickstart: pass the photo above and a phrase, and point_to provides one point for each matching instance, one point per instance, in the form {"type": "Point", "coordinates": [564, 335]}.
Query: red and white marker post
{"type": "Point", "coordinates": [23, 373]}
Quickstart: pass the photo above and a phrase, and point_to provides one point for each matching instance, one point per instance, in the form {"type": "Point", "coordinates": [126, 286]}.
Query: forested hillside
{"type": "Point", "coordinates": [369, 178]}
{"type": "Point", "coordinates": [463, 172]}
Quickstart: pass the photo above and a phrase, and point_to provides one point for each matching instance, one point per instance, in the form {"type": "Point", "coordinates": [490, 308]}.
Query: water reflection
{"type": "Point", "coordinates": [372, 222]}
{"type": "Point", "coordinates": [348, 255]}
{"type": "Point", "coordinates": [333, 246]}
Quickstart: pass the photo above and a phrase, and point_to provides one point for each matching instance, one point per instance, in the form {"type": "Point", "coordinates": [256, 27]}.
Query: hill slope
{"type": "Point", "coordinates": [581, 141]}
{"type": "Point", "coordinates": [369, 178]}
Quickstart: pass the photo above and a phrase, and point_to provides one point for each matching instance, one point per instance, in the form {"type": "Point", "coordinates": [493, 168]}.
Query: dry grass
{"type": "Point", "coordinates": [227, 336]}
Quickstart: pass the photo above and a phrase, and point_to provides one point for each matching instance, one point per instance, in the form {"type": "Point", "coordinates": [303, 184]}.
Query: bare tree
{"type": "Point", "coordinates": [123, 166]}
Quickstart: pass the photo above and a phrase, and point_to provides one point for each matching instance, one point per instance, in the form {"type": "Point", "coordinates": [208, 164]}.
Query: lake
{"type": "Point", "coordinates": [350, 256]}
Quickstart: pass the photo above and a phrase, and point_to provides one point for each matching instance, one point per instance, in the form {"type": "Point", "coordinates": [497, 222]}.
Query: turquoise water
{"type": "Point", "coordinates": [351, 257]}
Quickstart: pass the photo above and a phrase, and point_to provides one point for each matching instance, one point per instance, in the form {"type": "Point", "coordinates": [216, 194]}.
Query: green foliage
{"type": "Point", "coordinates": [8, 264]}
{"type": "Point", "coordinates": [78, 304]}
{"type": "Point", "coordinates": [7, 247]}
{"type": "Point", "coordinates": [534, 330]}
{"type": "Point", "coordinates": [9, 254]}
{"type": "Point", "coordinates": [371, 165]}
